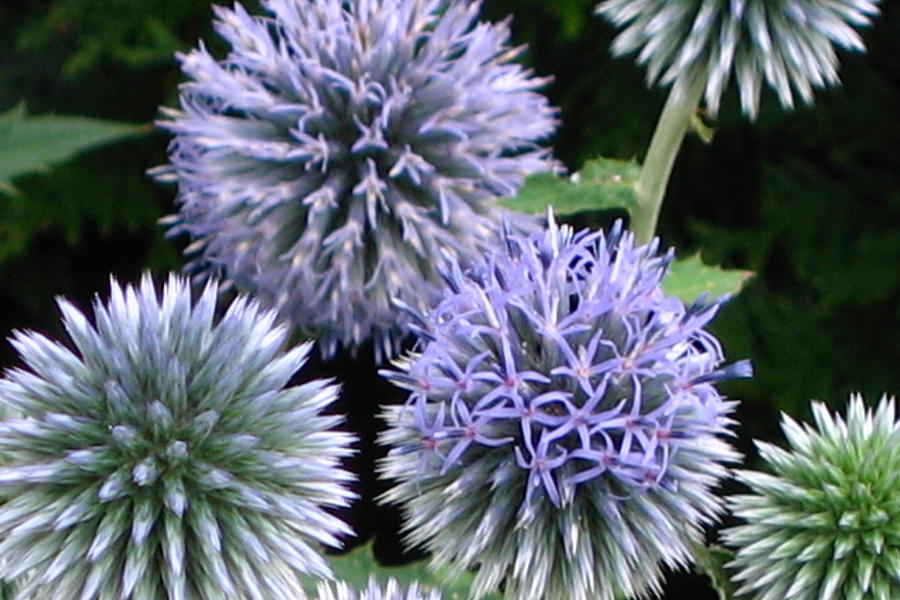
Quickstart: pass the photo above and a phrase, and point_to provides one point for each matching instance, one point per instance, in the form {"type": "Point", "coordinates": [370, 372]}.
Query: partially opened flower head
{"type": "Point", "coordinates": [340, 146]}
{"type": "Point", "coordinates": [825, 521]}
{"type": "Point", "coordinates": [391, 591]}
{"type": "Point", "coordinates": [562, 433]}
{"type": "Point", "coordinates": [164, 456]}
{"type": "Point", "coordinates": [788, 43]}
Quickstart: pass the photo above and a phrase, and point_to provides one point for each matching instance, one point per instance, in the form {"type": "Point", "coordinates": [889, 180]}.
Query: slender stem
{"type": "Point", "coordinates": [670, 130]}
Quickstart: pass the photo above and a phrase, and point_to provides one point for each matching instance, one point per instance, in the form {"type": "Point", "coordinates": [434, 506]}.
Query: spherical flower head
{"type": "Point", "coordinates": [825, 523]}
{"type": "Point", "coordinates": [164, 456]}
{"type": "Point", "coordinates": [392, 591]}
{"type": "Point", "coordinates": [790, 43]}
{"type": "Point", "coordinates": [340, 146]}
{"type": "Point", "coordinates": [562, 429]}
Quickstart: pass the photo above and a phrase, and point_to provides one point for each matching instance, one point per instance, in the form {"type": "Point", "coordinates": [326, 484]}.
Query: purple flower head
{"type": "Point", "coordinates": [340, 146]}
{"type": "Point", "coordinates": [562, 429]}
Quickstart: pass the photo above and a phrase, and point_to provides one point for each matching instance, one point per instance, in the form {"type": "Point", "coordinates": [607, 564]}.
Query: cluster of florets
{"type": "Point", "coordinates": [790, 43]}
{"type": "Point", "coordinates": [341, 146]}
{"type": "Point", "coordinates": [826, 522]}
{"type": "Point", "coordinates": [392, 591]}
{"type": "Point", "coordinates": [163, 456]}
{"type": "Point", "coordinates": [562, 431]}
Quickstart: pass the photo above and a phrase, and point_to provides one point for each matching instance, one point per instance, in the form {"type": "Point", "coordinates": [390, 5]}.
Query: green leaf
{"type": "Point", "coordinates": [688, 278]}
{"type": "Point", "coordinates": [29, 144]}
{"type": "Point", "coordinates": [602, 184]}
{"type": "Point", "coordinates": [711, 561]}
{"type": "Point", "coordinates": [356, 566]}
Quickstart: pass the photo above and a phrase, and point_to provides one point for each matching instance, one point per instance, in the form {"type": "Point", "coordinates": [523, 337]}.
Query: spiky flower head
{"type": "Point", "coordinates": [392, 591]}
{"type": "Point", "coordinates": [789, 43]}
{"type": "Point", "coordinates": [825, 523]}
{"type": "Point", "coordinates": [326, 161]}
{"type": "Point", "coordinates": [562, 430]}
{"type": "Point", "coordinates": [164, 457]}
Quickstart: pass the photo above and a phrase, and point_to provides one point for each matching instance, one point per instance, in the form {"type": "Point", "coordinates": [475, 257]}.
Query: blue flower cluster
{"type": "Point", "coordinates": [339, 147]}
{"type": "Point", "coordinates": [556, 365]}
{"type": "Point", "coordinates": [563, 432]}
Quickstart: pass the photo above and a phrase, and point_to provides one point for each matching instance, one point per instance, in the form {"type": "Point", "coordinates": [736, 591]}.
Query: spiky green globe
{"type": "Point", "coordinates": [826, 523]}
{"type": "Point", "coordinates": [391, 591]}
{"type": "Point", "coordinates": [163, 457]}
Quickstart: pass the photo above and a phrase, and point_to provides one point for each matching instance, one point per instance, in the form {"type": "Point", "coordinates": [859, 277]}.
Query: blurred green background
{"type": "Point", "coordinates": [808, 199]}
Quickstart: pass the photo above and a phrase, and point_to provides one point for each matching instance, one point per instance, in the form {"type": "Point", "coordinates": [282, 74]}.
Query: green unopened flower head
{"type": "Point", "coordinates": [789, 43]}
{"type": "Point", "coordinates": [164, 457]}
{"type": "Point", "coordinates": [826, 522]}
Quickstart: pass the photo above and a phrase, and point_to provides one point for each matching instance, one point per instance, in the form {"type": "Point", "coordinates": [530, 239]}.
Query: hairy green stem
{"type": "Point", "coordinates": [684, 98]}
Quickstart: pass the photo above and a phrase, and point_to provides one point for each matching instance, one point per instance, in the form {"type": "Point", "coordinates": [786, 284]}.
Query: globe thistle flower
{"type": "Point", "coordinates": [163, 456]}
{"type": "Point", "coordinates": [826, 522]}
{"type": "Point", "coordinates": [392, 591]}
{"type": "Point", "coordinates": [340, 146]}
{"type": "Point", "coordinates": [790, 43]}
{"type": "Point", "coordinates": [562, 429]}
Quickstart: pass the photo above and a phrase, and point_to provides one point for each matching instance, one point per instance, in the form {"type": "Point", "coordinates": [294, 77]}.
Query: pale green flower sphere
{"type": "Point", "coordinates": [826, 524]}
{"type": "Point", "coordinates": [164, 455]}
{"type": "Point", "coordinates": [391, 591]}
{"type": "Point", "coordinates": [789, 44]}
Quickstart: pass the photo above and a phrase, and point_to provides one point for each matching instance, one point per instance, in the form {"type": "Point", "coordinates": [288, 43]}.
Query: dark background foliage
{"type": "Point", "coordinates": [809, 199]}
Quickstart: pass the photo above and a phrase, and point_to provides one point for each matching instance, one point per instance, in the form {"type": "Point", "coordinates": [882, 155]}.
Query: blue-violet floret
{"type": "Point", "coordinates": [340, 146]}
{"type": "Point", "coordinates": [562, 432]}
